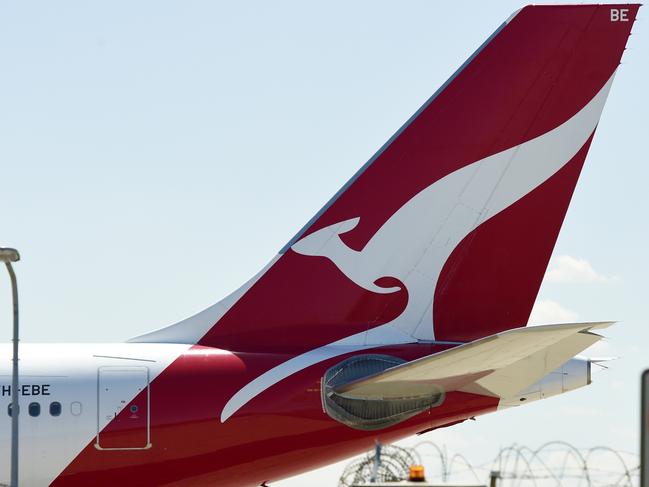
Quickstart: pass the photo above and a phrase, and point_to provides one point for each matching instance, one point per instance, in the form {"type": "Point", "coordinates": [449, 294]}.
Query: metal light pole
{"type": "Point", "coordinates": [377, 462]}
{"type": "Point", "coordinates": [8, 256]}
{"type": "Point", "coordinates": [644, 430]}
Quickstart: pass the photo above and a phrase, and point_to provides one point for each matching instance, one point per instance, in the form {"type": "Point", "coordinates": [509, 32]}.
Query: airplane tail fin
{"type": "Point", "coordinates": [446, 232]}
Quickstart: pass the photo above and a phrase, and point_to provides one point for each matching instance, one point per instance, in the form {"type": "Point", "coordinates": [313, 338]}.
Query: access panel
{"type": "Point", "coordinates": [123, 408]}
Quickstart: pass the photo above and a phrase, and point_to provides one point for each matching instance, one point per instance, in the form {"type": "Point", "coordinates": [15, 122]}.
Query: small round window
{"type": "Point", "coordinates": [9, 409]}
{"type": "Point", "coordinates": [34, 409]}
{"type": "Point", "coordinates": [55, 408]}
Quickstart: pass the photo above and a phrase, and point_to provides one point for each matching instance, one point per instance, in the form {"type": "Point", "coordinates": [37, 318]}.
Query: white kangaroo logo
{"type": "Point", "coordinates": [415, 242]}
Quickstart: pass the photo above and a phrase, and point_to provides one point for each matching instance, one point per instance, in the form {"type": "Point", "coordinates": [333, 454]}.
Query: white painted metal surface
{"type": "Point", "coordinates": [501, 365]}
{"type": "Point", "coordinates": [70, 374]}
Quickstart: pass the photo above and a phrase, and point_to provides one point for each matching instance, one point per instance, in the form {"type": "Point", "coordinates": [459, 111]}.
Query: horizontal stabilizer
{"type": "Point", "coordinates": [499, 365]}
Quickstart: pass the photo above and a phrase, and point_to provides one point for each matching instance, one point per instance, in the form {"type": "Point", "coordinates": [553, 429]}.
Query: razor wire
{"type": "Point", "coordinates": [553, 464]}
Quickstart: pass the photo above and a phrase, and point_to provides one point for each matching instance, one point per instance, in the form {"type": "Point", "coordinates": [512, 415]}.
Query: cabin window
{"type": "Point", "coordinates": [55, 408]}
{"type": "Point", "coordinates": [75, 408]}
{"type": "Point", "coordinates": [34, 409]}
{"type": "Point", "coordinates": [9, 409]}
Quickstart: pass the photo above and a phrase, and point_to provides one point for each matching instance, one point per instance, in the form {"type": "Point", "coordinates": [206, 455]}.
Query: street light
{"type": "Point", "coordinates": [8, 256]}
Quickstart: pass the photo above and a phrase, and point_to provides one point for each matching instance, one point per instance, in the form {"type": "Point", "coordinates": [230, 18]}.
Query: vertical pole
{"type": "Point", "coordinates": [644, 430]}
{"type": "Point", "coordinates": [14, 381]}
{"type": "Point", "coordinates": [493, 478]}
{"type": "Point", "coordinates": [377, 462]}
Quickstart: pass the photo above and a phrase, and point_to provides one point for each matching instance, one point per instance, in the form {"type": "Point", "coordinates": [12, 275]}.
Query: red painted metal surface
{"type": "Point", "coordinates": [280, 433]}
{"type": "Point", "coordinates": [537, 72]}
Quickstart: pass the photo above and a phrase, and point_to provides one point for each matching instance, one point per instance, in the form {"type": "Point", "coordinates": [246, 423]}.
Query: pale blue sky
{"type": "Point", "coordinates": [156, 154]}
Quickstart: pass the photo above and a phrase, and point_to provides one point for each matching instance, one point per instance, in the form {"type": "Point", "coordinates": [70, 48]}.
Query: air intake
{"type": "Point", "coordinates": [363, 413]}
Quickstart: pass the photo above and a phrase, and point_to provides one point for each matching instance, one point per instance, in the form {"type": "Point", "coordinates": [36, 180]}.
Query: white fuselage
{"type": "Point", "coordinates": [61, 383]}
